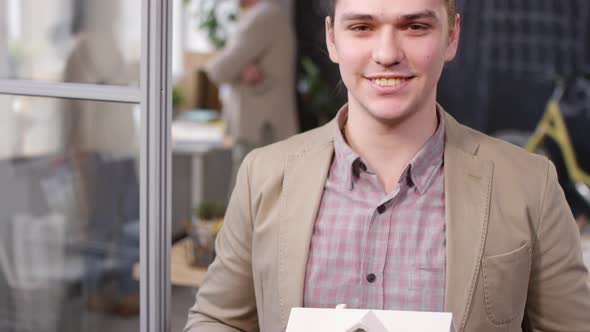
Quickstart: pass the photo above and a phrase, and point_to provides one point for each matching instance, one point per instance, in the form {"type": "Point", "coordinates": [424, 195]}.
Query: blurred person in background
{"type": "Point", "coordinates": [102, 139]}
{"type": "Point", "coordinates": [256, 72]}
{"type": "Point", "coordinates": [97, 59]}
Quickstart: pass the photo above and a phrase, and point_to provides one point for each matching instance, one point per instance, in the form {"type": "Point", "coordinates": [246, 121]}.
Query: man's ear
{"type": "Point", "coordinates": [330, 43]}
{"type": "Point", "coordinates": [454, 35]}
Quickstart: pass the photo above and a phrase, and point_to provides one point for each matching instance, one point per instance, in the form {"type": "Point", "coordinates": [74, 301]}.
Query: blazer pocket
{"type": "Point", "coordinates": [505, 280]}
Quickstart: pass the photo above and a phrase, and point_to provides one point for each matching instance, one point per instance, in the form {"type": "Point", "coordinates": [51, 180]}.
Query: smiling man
{"type": "Point", "coordinates": [394, 205]}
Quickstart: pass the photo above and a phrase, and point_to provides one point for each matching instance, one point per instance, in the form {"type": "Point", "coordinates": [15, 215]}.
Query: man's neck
{"type": "Point", "coordinates": [389, 147]}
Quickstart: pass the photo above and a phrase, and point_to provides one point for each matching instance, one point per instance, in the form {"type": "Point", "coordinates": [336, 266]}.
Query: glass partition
{"type": "Point", "coordinates": [69, 215]}
{"type": "Point", "coordinates": [81, 41]}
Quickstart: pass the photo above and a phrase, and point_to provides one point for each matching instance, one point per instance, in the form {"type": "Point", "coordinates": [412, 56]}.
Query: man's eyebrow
{"type": "Point", "coordinates": [419, 15]}
{"type": "Point", "coordinates": [426, 14]}
{"type": "Point", "coordinates": [357, 17]}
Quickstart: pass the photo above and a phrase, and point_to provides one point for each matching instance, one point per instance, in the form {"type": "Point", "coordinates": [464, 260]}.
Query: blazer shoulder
{"type": "Point", "coordinates": [511, 159]}
{"type": "Point", "coordinates": [273, 156]}
{"type": "Point", "coordinates": [501, 153]}
{"type": "Point", "coordinates": [270, 8]}
{"type": "Point", "coordinates": [264, 13]}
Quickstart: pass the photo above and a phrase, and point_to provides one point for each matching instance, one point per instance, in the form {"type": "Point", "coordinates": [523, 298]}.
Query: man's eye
{"type": "Point", "coordinates": [417, 27]}
{"type": "Point", "coordinates": [360, 28]}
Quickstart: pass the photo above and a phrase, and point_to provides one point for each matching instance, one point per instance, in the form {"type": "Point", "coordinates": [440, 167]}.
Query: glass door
{"type": "Point", "coordinates": [84, 165]}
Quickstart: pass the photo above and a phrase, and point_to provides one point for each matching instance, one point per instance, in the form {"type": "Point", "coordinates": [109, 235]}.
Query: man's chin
{"type": "Point", "coordinates": [389, 112]}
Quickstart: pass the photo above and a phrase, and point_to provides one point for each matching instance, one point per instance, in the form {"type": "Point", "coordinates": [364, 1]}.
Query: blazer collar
{"type": "Point", "coordinates": [305, 176]}
{"type": "Point", "coordinates": [468, 181]}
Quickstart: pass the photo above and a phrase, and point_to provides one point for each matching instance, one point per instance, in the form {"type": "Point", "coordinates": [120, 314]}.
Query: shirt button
{"type": "Point", "coordinates": [371, 278]}
{"type": "Point", "coordinates": [381, 209]}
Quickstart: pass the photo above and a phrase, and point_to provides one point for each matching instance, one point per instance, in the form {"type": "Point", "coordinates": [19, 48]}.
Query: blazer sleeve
{"type": "Point", "coordinates": [247, 45]}
{"type": "Point", "coordinates": [559, 296]}
{"type": "Point", "coordinates": [226, 302]}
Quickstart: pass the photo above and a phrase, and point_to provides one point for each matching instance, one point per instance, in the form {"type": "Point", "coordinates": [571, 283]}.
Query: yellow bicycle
{"type": "Point", "coordinates": [552, 129]}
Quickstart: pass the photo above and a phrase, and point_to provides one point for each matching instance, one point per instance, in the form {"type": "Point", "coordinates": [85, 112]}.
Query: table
{"type": "Point", "coordinates": [181, 272]}
{"type": "Point", "coordinates": [200, 171]}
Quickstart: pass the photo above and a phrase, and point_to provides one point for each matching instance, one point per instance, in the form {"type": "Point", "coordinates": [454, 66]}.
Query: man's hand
{"type": "Point", "coordinates": [251, 74]}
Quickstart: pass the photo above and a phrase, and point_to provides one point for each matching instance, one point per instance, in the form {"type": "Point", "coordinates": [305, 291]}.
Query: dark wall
{"type": "Point", "coordinates": [509, 56]}
{"type": "Point", "coordinates": [309, 18]}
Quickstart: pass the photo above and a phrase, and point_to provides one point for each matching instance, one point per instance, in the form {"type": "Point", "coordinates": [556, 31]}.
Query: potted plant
{"type": "Point", "coordinates": [206, 222]}
{"type": "Point", "coordinates": [214, 18]}
{"type": "Point", "coordinates": [318, 95]}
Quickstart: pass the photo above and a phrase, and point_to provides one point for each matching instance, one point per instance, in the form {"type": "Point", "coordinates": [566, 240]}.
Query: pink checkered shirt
{"type": "Point", "coordinates": [377, 250]}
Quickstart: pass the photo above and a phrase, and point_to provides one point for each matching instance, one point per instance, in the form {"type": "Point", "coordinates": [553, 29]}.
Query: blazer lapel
{"type": "Point", "coordinates": [303, 186]}
{"type": "Point", "coordinates": [468, 181]}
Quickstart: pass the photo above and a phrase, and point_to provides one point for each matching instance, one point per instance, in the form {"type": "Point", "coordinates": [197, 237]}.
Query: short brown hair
{"type": "Point", "coordinates": [451, 10]}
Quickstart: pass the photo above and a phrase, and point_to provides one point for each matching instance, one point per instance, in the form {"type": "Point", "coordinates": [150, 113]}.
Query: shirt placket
{"type": "Point", "coordinates": [375, 246]}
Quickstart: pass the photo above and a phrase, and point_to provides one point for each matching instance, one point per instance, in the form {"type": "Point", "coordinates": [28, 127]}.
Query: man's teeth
{"type": "Point", "coordinates": [388, 82]}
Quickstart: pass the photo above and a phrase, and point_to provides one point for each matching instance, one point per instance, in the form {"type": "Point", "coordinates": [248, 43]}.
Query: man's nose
{"type": "Point", "coordinates": [387, 51]}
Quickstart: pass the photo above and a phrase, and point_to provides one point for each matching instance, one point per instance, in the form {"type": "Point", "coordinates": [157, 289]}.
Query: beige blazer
{"type": "Point", "coordinates": [514, 259]}
{"type": "Point", "coordinates": [264, 35]}
{"type": "Point", "coordinates": [99, 126]}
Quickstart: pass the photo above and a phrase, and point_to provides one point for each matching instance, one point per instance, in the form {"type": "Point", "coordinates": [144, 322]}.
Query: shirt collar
{"type": "Point", "coordinates": [346, 159]}
{"type": "Point", "coordinates": [420, 171]}
{"type": "Point", "coordinates": [424, 166]}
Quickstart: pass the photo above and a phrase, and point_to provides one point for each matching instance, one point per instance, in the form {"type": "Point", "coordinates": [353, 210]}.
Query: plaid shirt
{"type": "Point", "coordinates": [377, 250]}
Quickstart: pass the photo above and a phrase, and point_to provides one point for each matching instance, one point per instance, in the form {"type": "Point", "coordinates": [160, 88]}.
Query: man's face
{"type": "Point", "coordinates": [391, 53]}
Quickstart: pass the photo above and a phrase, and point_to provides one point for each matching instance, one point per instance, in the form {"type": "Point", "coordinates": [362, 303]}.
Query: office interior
{"type": "Point", "coordinates": [69, 168]}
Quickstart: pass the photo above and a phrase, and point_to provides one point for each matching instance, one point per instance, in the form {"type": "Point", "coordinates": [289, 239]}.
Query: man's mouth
{"type": "Point", "coordinates": [389, 82]}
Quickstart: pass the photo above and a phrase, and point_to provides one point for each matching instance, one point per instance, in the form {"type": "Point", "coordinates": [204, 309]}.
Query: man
{"type": "Point", "coordinates": [395, 205]}
{"type": "Point", "coordinates": [258, 66]}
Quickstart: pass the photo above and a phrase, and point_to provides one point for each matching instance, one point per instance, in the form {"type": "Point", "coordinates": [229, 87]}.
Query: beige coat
{"type": "Point", "coordinates": [92, 126]}
{"type": "Point", "coordinates": [513, 251]}
{"type": "Point", "coordinates": [264, 35]}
